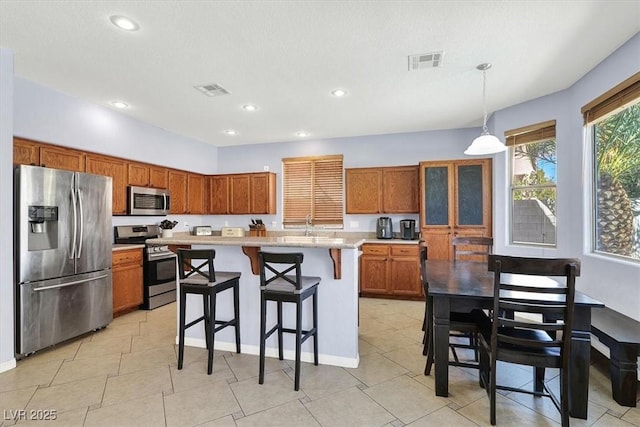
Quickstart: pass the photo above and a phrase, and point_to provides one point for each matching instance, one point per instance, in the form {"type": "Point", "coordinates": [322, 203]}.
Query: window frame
{"type": "Point", "coordinates": [539, 132]}
{"type": "Point", "coordinates": [615, 100]}
{"type": "Point", "coordinates": [329, 217]}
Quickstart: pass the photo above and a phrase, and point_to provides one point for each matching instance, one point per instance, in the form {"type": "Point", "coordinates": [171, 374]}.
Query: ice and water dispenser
{"type": "Point", "coordinates": [43, 227]}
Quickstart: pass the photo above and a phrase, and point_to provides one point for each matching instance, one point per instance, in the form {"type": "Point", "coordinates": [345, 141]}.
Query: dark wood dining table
{"type": "Point", "coordinates": [466, 285]}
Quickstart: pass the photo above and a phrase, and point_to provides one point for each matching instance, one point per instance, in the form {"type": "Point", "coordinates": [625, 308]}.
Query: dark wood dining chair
{"type": "Point", "coordinates": [539, 335]}
{"type": "Point", "coordinates": [466, 323]}
{"type": "Point", "coordinates": [472, 248]}
{"type": "Point", "coordinates": [469, 248]}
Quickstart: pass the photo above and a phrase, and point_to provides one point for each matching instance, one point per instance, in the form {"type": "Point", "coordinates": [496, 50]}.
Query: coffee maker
{"type": "Point", "coordinates": [408, 229]}
{"type": "Point", "coordinates": [384, 228]}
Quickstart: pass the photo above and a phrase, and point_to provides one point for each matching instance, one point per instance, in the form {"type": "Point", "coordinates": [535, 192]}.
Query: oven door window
{"type": "Point", "coordinates": [162, 270]}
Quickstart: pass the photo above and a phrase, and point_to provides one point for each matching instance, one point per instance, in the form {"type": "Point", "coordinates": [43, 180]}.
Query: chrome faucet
{"type": "Point", "coordinates": [308, 225]}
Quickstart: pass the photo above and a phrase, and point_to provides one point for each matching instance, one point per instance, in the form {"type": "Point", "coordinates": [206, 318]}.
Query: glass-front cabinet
{"type": "Point", "coordinates": [455, 200]}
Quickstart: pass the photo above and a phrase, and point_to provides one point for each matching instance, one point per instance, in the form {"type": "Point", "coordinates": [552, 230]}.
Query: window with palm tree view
{"type": "Point", "coordinates": [616, 156]}
{"type": "Point", "coordinates": [533, 184]}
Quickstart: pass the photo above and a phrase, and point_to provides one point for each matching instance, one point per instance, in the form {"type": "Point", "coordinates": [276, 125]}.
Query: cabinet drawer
{"type": "Point", "coordinates": [405, 250]}
{"type": "Point", "coordinates": [375, 249]}
{"type": "Point", "coordinates": [127, 257]}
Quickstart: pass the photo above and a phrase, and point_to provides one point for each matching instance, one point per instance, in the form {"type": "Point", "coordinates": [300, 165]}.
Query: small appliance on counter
{"type": "Point", "coordinates": [202, 230]}
{"type": "Point", "coordinates": [384, 228]}
{"type": "Point", "coordinates": [232, 232]}
{"type": "Point", "coordinates": [408, 229]}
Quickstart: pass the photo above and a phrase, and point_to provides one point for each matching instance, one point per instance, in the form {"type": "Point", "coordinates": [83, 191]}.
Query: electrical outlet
{"type": "Point", "coordinates": [226, 223]}
{"type": "Point", "coordinates": [186, 226]}
{"type": "Point", "coordinates": [266, 168]}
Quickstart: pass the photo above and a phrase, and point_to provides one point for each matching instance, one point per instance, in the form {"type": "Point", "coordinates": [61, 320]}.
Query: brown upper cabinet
{"type": "Point", "coordinates": [195, 194]}
{"type": "Point", "coordinates": [158, 177]}
{"type": "Point", "coordinates": [191, 193]}
{"type": "Point", "coordinates": [263, 193]}
{"type": "Point", "coordinates": [26, 152]}
{"type": "Point", "coordinates": [178, 191]}
{"type": "Point", "coordinates": [115, 168]}
{"type": "Point", "coordinates": [246, 193]}
{"type": "Point", "coordinates": [218, 190]}
{"type": "Point", "coordinates": [145, 175]}
{"type": "Point", "coordinates": [382, 190]}
{"type": "Point", "coordinates": [455, 200]}
{"type": "Point", "coordinates": [137, 174]}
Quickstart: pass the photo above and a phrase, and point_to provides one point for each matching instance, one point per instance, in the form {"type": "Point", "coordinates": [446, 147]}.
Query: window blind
{"type": "Point", "coordinates": [313, 186]}
{"type": "Point", "coordinates": [533, 133]}
{"type": "Point", "coordinates": [613, 100]}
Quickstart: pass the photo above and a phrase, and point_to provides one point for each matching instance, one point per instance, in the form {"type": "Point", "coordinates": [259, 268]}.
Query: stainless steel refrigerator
{"type": "Point", "coordinates": [62, 245]}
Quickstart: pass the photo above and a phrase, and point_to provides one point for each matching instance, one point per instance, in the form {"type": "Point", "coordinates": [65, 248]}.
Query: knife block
{"type": "Point", "coordinates": [258, 230]}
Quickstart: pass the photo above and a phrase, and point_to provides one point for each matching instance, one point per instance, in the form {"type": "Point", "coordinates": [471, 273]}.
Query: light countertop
{"type": "Point", "coordinates": [332, 240]}
{"type": "Point", "coordinates": [122, 247]}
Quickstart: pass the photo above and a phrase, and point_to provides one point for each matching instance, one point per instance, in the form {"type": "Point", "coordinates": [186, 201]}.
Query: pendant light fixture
{"type": "Point", "coordinates": [485, 143]}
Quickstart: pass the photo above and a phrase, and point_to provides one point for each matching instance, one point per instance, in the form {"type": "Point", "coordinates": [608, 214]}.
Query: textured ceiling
{"type": "Point", "coordinates": [286, 57]}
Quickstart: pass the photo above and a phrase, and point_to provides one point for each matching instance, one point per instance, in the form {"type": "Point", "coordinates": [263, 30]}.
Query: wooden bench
{"type": "Point", "coordinates": [622, 335]}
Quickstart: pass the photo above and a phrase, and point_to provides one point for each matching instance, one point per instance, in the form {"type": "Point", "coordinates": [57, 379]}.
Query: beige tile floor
{"type": "Point", "coordinates": [126, 375]}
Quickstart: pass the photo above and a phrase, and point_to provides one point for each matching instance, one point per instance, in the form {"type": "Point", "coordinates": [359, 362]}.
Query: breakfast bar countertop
{"type": "Point", "coordinates": [337, 240]}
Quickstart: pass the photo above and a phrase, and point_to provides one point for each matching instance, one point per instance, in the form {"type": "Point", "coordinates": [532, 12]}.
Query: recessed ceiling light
{"type": "Point", "coordinates": [302, 134]}
{"type": "Point", "coordinates": [249, 107]}
{"type": "Point", "coordinates": [119, 104]}
{"type": "Point", "coordinates": [230, 132]}
{"type": "Point", "coordinates": [124, 23]}
{"type": "Point", "coordinates": [338, 93]}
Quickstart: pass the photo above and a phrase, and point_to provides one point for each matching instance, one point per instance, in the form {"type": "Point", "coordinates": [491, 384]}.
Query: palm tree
{"type": "Point", "coordinates": [618, 173]}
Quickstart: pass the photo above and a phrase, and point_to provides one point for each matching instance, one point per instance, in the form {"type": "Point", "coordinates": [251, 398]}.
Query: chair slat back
{"type": "Point", "coordinates": [187, 260]}
{"type": "Point", "coordinates": [423, 270]}
{"type": "Point", "coordinates": [275, 266]}
{"type": "Point", "coordinates": [534, 304]}
{"type": "Point", "coordinates": [472, 247]}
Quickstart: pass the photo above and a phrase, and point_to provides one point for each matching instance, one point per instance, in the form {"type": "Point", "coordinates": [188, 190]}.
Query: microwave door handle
{"type": "Point", "coordinates": [81, 224]}
{"type": "Point", "coordinates": [164, 199]}
{"type": "Point", "coordinates": [75, 218]}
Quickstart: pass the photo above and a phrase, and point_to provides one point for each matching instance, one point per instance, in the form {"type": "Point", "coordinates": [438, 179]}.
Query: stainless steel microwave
{"type": "Point", "coordinates": [148, 201]}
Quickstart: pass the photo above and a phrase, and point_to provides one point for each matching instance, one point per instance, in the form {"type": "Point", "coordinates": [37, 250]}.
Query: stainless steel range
{"type": "Point", "coordinates": [159, 264]}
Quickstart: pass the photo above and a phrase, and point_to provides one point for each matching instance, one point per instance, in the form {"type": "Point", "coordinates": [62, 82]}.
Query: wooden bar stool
{"type": "Point", "coordinates": [202, 279]}
{"type": "Point", "coordinates": [276, 284]}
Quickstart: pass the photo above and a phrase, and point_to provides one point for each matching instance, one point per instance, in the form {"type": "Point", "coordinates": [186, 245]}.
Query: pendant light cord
{"type": "Point", "coordinates": [484, 101]}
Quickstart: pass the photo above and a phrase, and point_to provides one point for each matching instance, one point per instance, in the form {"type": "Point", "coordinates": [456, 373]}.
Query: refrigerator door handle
{"type": "Point", "coordinates": [75, 217]}
{"type": "Point", "coordinates": [81, 224]}
{"type": "Point", "coordinates": [75, 282]}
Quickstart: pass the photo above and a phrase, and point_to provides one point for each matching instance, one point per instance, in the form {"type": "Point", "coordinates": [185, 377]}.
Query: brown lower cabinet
{"type": "Point", "coordinates": [127, 280]}
{"type": "Point", "coordinates": [390, 270]}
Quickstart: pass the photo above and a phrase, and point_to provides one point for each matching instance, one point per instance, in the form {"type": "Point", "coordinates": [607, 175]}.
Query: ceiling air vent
{"type": "Point", "coordinates": [425, 60]}
{"type": "Point", "coordinates": [213, 89]}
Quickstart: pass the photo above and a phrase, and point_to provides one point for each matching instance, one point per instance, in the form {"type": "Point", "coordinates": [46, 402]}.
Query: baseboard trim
{"type": "Point", "coordinates": [323, 359]}
{"type": "Point", "coordinates": [8, 365]}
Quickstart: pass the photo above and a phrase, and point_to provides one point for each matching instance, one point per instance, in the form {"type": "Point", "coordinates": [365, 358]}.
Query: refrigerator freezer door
{"type": "Point", "coordinates": [43, 249]}
{"type": "Point", "coordinates": [44, 309]}
{"type": "Point", "coordinates": [94, 223]}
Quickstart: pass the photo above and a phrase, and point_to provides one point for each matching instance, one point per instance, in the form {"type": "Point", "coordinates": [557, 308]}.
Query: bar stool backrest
{"type": "Point", "coordinates": [274, 266]}
{"type": "Point", "coordinates": [190, 269]}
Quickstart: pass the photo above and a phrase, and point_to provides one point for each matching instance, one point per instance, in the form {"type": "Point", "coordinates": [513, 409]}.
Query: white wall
{"type": "Point", "coordinates": [614, 282]}
{"type": "Point", "coordinates": [50, 116]}
{"type": "Point", "coordinates": [7, 360]}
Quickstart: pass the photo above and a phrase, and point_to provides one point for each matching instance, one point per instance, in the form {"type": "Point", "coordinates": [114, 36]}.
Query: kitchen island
{"type": "Point", "coordinates": [334, 259]}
